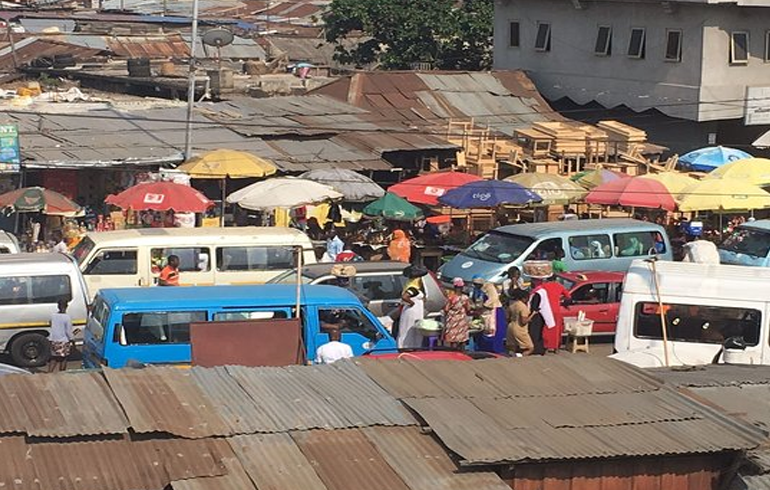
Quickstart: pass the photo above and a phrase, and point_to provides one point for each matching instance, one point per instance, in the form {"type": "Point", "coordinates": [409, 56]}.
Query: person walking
{"type": "Point", "coordinates": [61, 337]}
{"type": "Point", "coordinates": [334, 246]}
{"type": "Point", "coordinates": [518, 338]}
{"type": "Point", "coordinates": [412, 312]}
{"type": "Point", "coordinates": [169, 275]}
{"type": "Point", "coordinates": [546, 301]}
{"type": "Point", "coordinates": [456, 316]}
{"type": "Point", "coordinates": [334, 350]}
{"type": "Point", "coordinates": [400, 248]}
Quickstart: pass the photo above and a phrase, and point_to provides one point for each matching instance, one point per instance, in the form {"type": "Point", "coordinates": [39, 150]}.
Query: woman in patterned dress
{"type": "Point", "coordinates": [456, 319]}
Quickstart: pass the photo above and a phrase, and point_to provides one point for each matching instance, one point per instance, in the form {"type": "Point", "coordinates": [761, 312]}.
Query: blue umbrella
{"type": "Point", "coordinates": [488, 194]}
{"type": "Point", "coordinates": [711, 157]}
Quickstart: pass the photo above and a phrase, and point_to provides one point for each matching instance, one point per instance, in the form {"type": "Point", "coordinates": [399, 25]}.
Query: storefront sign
{"type": "Point", "coordinates": [757, 110]}
{"type": "Point", "coordinates": [10, 155]}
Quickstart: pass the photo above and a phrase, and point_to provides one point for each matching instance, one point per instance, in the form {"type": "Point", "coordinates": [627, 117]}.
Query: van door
{"type": "Point", "coordinates": [112, 268]}
{"type": "Point", "coordinates": [195, 268]}
{"type": "Point", "coordinates": [152, 337]}
{"type": "Point", "coordinates": [360, 330]}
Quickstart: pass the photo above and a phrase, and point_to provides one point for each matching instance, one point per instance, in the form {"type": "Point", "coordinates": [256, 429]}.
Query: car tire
{"type": "Point", "coordinates": [30, 350]}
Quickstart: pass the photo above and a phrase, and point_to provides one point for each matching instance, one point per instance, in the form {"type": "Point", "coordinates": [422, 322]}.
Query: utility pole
{"type": "Point", "coordinates": [191, 85]}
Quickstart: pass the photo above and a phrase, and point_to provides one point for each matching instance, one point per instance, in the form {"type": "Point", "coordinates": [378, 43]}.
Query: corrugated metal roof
{"type": "Point", "coordinates": [165, 399]}
{"type": "Point", "coordinates": [761, 458]}
{"type": "Point", "coordinates": [333, 399]}
{"type": "Point", "coordinates": [170, 46]}
{"type": "Point", "coordinates": [59, 406]}
{"type": "Point", "coordinates": [423, 464]}
{"type": "Point", "coordinates": [274, 462]}
{"type": "Point", "coordinates": [714, 375]}
{"type": "Point", "coordinates": [749, 402]}
{"type": "Point", "coordinates": [751, 482]}
{"type": "Point", "coordinates": [346, 460]}
{"type": "Point", "coordinates": [235, 479]}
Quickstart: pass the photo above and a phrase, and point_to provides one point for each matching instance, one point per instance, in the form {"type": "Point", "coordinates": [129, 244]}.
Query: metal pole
{"type": "Point", "coordinates": [300, 251]}
{"type": "Point", "coordinates": [191, 84]}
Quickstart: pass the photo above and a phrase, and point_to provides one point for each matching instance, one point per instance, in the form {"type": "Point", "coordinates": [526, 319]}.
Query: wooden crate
{"type": "Point", "coordinates": [533, 142]}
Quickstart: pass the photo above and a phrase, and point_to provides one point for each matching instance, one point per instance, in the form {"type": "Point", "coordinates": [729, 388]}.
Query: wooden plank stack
{"type": "Point", "coordinates": [596, 139]}
{"type": "Point", "coordinates": [622, 136]}
{"type": "Point", "coordinates": [567, 140]}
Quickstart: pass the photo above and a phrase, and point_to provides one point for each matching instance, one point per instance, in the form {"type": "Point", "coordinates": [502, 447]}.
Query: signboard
{"type": "Point", "coordinates": [10, 155]}
{"type": "Point", "coordinates": [757, 106]}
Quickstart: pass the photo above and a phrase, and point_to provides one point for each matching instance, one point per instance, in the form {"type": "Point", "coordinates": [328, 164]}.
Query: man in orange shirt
{"type": "Point", "coordinates": [169, 275]}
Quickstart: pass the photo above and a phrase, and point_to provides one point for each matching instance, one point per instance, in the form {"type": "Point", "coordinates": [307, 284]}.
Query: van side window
{"type": "Point", "coordinates": [193, 259]}
{"type": "Point", "coordinates": [638, 243]}
{"type": "Point", "coordinates": [589, 247]}
{"type": "Point", "coordinates": [160, 327]}
{"type": "Point", "coordinates": [348, 320]}
{"type": "Point", "coordinates": [234, 316]}
{"type": "Point", "coordinates": [26, 290]}
{"type": "Point", "coordinates": [254, 258]}
{"type": "Point", "coordinates": [548, 249]}
{"type": "Point", "coordinates": [113, 262]}
{"type": "Point", "coordinates": [695, 323]}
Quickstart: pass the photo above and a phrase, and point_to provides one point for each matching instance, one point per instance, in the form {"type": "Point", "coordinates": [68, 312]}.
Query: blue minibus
{"type": "Point", "coordinates": [152, 325]}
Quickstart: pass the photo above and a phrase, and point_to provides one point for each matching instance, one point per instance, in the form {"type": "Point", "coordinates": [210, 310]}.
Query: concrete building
{"type": "Point", "coordinates": [703, 61]}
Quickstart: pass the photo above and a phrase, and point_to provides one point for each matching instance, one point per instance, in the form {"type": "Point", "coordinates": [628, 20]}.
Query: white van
{"type": "Point", "coordinates": [702, 306]}
{"type": "Point", "coordinates": [208, 256]}
{"type": "Point", "coordinates": [30, 287]}
{"type": "Point", "coordinates": [8, 243]}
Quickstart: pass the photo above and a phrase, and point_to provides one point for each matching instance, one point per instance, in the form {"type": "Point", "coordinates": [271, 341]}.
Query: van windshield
{"type": "Point", "coordinates": [82, 249]}
{"type": "Point", "coordinates": [499, 247]}
{"type": "Point", "coordinates": [752, 245]}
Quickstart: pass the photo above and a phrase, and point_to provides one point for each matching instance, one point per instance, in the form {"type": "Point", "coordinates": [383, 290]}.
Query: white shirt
{"type": "Point", "coordinates": [61, 328]}
{"type": "Point", "coordinates": [60, 247]}
{"type": "Point", "coordinates": [332, 351]}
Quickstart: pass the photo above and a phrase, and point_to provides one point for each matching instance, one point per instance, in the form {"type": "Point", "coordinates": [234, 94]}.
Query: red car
{"type": "Point", "coordinates": [597, 293]}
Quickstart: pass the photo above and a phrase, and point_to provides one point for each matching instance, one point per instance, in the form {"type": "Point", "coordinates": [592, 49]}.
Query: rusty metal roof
{"type": "Point", "coordinates": [714, 375]}
{"type": "Point", "coordinates": [346, 460]}
{"type": "Point", "coordinates": [423, 464]}
{"type": "Point", "coordinates": [31, 48]}
{"type": "Point", "coordinates": [159, 46]}
{"type": "Point", "coordinates": [748, 402]}
{"type": "Point", "coordinates": [235, 479]}
{"type": "Point", "coordinates": [64, 405]}
{"type": "Point", "coordinates": [165, 399]}
{"type": "Point", "coordinates": [310, 397]}
{"type": "Point", "coordinates": [273, 461]}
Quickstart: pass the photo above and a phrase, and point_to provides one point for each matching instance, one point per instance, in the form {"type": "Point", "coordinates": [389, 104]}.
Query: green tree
{"type": "Point", "coordinates": [395, 33]}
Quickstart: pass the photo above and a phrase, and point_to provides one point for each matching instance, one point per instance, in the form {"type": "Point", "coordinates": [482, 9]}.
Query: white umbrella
{"type": "Point", "coordinates": [354, 186]}
{"type": "Point", "coordinates": [283, 192]}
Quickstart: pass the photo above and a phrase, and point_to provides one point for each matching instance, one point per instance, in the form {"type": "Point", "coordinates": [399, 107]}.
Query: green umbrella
{"type": "Point", "coordinates": [554, 189]}
{"type": "Point", "coordinates": [390, 206]}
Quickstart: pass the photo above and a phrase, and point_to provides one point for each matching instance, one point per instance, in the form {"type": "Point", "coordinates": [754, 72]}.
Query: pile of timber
{"type": "Point", "coordinates": [567, 140]}
{"type": "Point", "coordinates": [624, 138]}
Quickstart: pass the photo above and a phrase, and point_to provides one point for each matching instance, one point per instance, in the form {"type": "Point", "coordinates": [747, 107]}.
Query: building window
{"type": "Point", "coordinates": [543, 39]}
{"type": "Point", "coordinates": [513, 34]}
{"type": "Point", "coordinates": [767, 46]}
{"type": "Point", "coordinates": [739, 48]}
{"type": "Point", "coordinates": [603, 45]}
{"type": "Point", "coordinates": [636, 44]}
{"type": "Point", "coordinates": [674, 45]}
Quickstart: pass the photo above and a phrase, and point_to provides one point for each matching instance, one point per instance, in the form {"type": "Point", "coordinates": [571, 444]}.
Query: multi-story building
{"type": "Point", "coordinates": [703, 61]}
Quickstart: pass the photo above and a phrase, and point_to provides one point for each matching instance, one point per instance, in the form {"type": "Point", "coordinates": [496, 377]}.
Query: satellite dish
{"type": "Point", "coordinates": [217, 37]}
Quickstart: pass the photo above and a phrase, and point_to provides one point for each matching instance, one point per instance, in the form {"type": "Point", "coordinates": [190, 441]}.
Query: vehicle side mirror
{"type": "Point", "coordinates": [735, 343]}
{"type": "Point", "coordinates": [120, 334]}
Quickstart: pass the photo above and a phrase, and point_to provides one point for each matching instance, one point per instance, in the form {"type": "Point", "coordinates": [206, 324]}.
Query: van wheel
{"type": "Point", "coordinates": [30, 350]}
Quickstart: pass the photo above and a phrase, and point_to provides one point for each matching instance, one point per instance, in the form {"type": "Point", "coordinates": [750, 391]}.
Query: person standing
{"type": "Point", "coordinates": [546, 301]}
{"type": "Point", "coordinates": [513, 282]}
{"type": "Point", "coordinates": [400, 248]}
{"type": "Point", "coordinates": [61, 246]}
{"type": "Point", "coordinates": [334, 350]}
{"type": "Point", "coordinates": [456, 316]}
{"type": "Point", "coordinates": [334, 246]}
{"type": "Point", "coordinates": [519, 316]}
{"type": "Point", "coordinates": [169, 275]}
{"type": "Point", "coordinates": [61, 337]}
{"type": "Point", "coordinates": [412, 312]}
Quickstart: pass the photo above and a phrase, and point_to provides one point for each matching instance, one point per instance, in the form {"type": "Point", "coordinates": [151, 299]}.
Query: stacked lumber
{"type": "Point", "coordinates": [596, 139]}
{"type": "Point", "coordinates": [567, 140]}
{"type": "Point", "coordinates": [622, 136]}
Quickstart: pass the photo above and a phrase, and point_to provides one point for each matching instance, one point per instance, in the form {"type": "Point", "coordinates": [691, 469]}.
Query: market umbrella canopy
{"type": "Point", "coordinates": [426, 189]}
{"type": "Point", "coordinates": [161, 196]}
{"type": "Point", "coordinates": [723, 195]}
{"type": "Point", "coordinates": [391, 206]}
{"type": "Point", "coordinates": [751, 170]}
{"type": "Point", "coordinates": [638, 192]}
{"type": "Point", "coordinates": [488, 194]}
{"type": "Point", "coordinates": [220, 164]}
{"type": "Point", "coordinates": [354, 186]}
{"type": "Point", "coordinates": [592, 178]}
{"type": "Point", "coordinates": [39, 200]}
{"type": "Point", "coordinates": [283, 192]}
{"type": "Point", "coordinates": [675, 182]}
{"type": "Point", "coordinates": [711, 157]}
{"type": "Point", "coordinates": [553, 188]}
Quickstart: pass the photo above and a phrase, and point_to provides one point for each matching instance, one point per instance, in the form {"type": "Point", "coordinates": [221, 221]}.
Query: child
{"type": "Point", "coordinates": [61, 338]}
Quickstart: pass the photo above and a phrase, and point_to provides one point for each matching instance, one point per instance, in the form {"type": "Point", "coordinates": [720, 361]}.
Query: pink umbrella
{"type": "Point", "coordinates": [637, 192]}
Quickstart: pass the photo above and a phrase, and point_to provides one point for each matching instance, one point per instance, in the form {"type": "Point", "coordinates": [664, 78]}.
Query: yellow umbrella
{"type": "Point", "coordinates": [752, 170]}
{"type": "Point", "coordinates": [675, 182]}
{"type": "Point", "coordinates": [220, 164]}
{"type": "Point", "coordinates": [723, 195]}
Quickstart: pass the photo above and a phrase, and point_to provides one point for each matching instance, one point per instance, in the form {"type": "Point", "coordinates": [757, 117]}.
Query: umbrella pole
{"type": "Point", "coordinates": [300, 251]}
{"type": "Point", "coordinates": [224, 194]}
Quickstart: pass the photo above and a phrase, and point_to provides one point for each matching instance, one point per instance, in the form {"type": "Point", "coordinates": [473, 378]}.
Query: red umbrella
{"type": "Point", "coordinates": [161, 196]}
{"type": "Point", "coordinates": [426, 189]}
{"type": "Point", "coordinates": [637, 192]}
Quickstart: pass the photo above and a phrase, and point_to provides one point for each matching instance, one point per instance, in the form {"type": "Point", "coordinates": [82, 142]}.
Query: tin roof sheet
{"type": "Point", "coordinates": [749, 402]}
{"type": "Point", "coordinates": [165, 399]}
{"type": "Point", "coordinates": [66, 405]}
{"type": "Point", "coordinates": [274, 462]}
{"type": "Point", "coordinates": [346, 460]}
{"type": "Point", "coordinates": [714, 375]}
{"type": "Point", "coordinates": [751, 482]}
{"type": "Point", "coordinates": [761, 458]}
{"type": "Point", "coordinates": [235, 479]}
{"type": "Point", "coordinates": [423, 464]}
